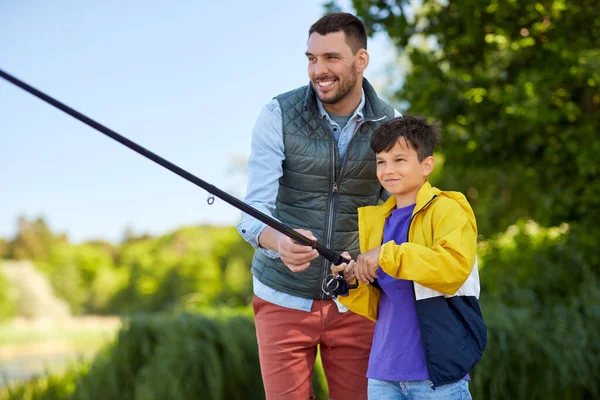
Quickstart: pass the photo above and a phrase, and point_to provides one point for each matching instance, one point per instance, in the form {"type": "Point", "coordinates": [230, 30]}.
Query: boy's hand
{"type": "Point", "coordinates": [367, 265]}
{"type": "Point", "coordinates": [346, 268]}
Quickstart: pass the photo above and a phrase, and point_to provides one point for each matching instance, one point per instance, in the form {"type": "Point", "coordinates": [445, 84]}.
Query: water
{"type": "Point", "coordinates": [28, 366]}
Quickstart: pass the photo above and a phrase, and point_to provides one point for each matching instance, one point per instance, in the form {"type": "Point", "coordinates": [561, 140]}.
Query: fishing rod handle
{"type": "Point", "coordinates": [328, 254]}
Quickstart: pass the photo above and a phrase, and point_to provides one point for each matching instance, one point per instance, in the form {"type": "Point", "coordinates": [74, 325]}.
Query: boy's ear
{"type": "Point", "coordinates": [428, 164]}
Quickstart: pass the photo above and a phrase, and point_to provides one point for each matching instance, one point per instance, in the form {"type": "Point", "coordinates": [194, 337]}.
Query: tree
{"type": "Point", "coordinates": [33, 241]}
{"type": "Point", "coordinates": [516, 86]}
{"type": "Point", "coordinates": [3, 248]}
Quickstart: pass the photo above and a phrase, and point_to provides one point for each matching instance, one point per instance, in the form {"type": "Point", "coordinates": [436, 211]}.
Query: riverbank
{"type": "Point", "coordinates": [31, 347]}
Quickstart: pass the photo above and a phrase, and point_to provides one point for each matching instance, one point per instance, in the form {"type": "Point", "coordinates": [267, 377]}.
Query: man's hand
{"type": "Point", "coordinates": [346, 268]}
{"type": "Point", "coordinates": [295, 256]}
{"type": "Point", "coordinates": [367, 265]}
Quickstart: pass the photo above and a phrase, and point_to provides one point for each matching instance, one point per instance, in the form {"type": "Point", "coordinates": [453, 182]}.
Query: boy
{"type": "Point", "coordinates": [421, 247]}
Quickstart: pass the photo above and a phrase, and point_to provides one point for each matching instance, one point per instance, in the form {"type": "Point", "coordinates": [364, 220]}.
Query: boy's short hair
{"type": "Point", "coordinates": [353, 28]}
{"type": "Point", "coordinates": [422, 136]}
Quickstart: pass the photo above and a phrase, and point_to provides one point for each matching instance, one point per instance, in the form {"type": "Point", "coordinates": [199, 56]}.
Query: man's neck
{"type": "Point", "coordinates": [348, 104]}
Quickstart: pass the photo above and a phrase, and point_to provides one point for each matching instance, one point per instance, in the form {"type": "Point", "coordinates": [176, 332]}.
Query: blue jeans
{"type": "Point", "coordinates": [417, 390]}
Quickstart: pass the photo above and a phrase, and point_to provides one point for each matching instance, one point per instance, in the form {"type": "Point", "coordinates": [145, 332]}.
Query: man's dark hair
{"type": "Point", "coordinates": [353, 28]}
{"type": "Point", "coordinates": [422, 136]}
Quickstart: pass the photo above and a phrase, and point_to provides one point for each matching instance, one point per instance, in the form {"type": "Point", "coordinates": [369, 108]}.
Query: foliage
{"type": "Point", "coordinates": [75, 272]}
{"type": "Point", "coordinates": [200, 265]}
{"type": "Point", "coordinates": [541, 301]}
{"type": "Point", "coordinates": [530, 266]}
{"type": "Point", "coordinates": [541, 353]}
{"type": "Point", "coordinates": [516, 86]}
{"type": "Point", "coordinates": [3, 248]}
{"type": "Point", "coordinates": [33, 241]}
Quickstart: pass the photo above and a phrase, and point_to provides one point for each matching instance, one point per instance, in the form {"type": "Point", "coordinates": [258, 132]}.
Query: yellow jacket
{"type": "Point", "coordinates": [439, 256]}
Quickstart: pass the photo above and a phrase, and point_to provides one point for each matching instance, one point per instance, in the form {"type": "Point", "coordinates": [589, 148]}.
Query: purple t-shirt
{"type": "Point", "coordinates": [397, 352]}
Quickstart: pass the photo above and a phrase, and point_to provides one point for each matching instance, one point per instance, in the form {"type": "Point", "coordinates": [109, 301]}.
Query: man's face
{"type": "Point", "coordinates": [331, 66]}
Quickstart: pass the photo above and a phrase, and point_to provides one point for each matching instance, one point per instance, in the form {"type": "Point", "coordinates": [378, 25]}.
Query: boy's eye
{"type": "Point", "coordinates": [379, 162]}
{"type": "Point", "coordinates": [399, 159]}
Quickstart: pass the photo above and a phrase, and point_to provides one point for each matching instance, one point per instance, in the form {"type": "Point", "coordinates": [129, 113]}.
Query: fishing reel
{"type": "Point", "coordinates": [335, 286]}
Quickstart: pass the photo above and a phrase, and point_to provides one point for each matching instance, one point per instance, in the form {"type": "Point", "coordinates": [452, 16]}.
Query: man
{"type": "Point", "coordinates": [311, 167]}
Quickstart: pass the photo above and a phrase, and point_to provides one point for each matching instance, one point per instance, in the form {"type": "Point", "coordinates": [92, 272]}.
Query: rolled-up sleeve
{"type": "Point", "coordinates": [264, 170]}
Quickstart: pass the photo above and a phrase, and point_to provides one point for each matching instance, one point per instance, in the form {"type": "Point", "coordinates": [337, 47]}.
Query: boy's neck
{"type": "Point", "coordinates": [405, 200]}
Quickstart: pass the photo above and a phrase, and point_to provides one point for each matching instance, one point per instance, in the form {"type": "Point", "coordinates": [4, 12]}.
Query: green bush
{"type": "Point", "coordinates": [545, 352]}
{"type": "Point", "coordinates": [541, 300]}
{"type": "Point", "coordinates": [532, 266]}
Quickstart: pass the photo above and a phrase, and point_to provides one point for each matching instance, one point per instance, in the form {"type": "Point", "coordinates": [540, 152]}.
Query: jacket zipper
{"type": "Point", "coordinates": [429, 368]}
{"type": "Point", "coordinates": [415, 214]}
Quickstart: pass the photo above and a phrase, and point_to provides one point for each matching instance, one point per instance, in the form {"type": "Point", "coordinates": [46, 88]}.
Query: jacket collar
{"type": "Point", "coordinates": [371, 219]}
{"type": "Point", "coordinates": [424, 195]}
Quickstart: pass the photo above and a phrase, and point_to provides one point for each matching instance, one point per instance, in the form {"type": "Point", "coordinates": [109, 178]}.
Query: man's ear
{"type": "Point", "coordinates": [428, 164]}
{"type": "Point", "coordinates": [362, 60]}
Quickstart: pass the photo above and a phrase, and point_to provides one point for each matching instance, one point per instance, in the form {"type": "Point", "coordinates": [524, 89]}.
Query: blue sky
{"type": "Point", "coordinates": [185, 80]}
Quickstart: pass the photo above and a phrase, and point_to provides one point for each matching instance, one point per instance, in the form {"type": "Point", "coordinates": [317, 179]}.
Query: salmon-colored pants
{"type": "Point", "coordinates": [287, 344]}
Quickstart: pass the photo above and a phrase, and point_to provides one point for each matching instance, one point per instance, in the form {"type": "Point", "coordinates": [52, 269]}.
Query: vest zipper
{"type": "Point", "coordinates": [335, 192]}
{"type": "Point", "coordinates": [331, 211]}
{"type": "Point", "coordinates": [429, 367]}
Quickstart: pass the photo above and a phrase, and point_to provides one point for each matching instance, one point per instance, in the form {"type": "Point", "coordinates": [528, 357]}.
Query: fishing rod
{"type": "Point", "coordinates": [332, 285]}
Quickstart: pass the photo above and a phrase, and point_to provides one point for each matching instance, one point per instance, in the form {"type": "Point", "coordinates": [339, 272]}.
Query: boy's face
{"type": "Point", "coordinates": [400, 172]}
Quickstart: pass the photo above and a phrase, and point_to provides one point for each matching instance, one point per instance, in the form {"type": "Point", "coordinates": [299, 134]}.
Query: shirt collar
{"type": "Point", "coordinates": [359, 110]}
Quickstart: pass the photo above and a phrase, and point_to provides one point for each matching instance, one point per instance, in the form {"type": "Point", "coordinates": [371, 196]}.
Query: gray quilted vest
{"type": "Point", "coordinates": [315, 193]}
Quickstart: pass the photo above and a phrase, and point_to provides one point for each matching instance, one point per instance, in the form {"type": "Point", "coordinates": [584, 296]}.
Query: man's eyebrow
{"type": "Point", "coordinates": [327, 54]}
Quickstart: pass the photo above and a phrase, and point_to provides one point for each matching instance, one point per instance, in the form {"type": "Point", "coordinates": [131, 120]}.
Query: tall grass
{"type": "Point", "coordinates": [185, 356]}
{"type": "Point", "coordinates": [547, 353]}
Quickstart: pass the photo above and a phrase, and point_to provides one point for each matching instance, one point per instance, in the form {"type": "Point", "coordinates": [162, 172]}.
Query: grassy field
{"type": "Point", "coordinates": [32, 347]}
